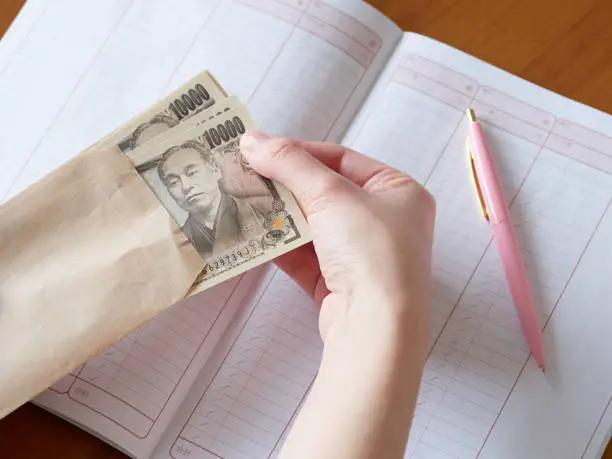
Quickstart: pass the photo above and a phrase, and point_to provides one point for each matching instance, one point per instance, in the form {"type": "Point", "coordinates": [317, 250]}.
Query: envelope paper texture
{"type": "Point", "coordinates": [87, 255]}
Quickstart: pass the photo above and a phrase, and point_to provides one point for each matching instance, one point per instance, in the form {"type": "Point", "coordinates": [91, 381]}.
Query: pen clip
{"type": "Point", "coordinates": [481, 200]}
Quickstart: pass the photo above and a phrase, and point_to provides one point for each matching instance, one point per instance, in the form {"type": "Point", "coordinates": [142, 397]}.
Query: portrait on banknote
{"type": "Point", "coordinates": [235, 218]}
{"type": "Point", "coordinates": [218, 217]}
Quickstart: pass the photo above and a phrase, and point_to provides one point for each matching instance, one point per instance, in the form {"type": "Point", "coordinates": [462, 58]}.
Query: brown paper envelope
{"type": "Point", "coordinates": [87, 255]}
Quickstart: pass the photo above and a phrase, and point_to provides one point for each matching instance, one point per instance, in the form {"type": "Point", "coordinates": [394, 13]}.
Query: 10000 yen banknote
{"type": "Point", "coordinates": [234, 217]}
{"type": "Point", "coordinates": [198, 94]}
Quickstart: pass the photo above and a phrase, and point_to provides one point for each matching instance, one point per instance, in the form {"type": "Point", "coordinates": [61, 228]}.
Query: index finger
{"type": "Point", "coordinates": [356, 167]}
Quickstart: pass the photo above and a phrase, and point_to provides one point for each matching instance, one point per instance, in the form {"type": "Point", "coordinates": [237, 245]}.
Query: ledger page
{"type": "Point", "coordinates": [72, 71]}
{"type": "Point", "coordinates": [481, 397]}
{"type": "Point", "coordinates": [302, 67]}
{"type": "Point", "coordinates": [16, 34]}
{"type": "Point", "coordinates": [129, 393]}
{"type": "Point", "coordinates": [250, 391]}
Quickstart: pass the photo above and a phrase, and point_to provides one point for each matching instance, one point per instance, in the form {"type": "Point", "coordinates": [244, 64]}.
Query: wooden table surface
{"type": "Point", "coordinates": [564, 46]}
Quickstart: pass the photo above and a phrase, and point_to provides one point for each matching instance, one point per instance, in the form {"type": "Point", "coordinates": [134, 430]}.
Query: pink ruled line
{"type": "Point", "coordinates": [185, 323]}
{"type": "Point", "coordinates": [581, 126]}
{"type": "Point", "coordinates": [502, 408]}
{"type": "Point", "coordinates": [518, 104]}
{"type": "Point", "coordinates": [460, 413]}
{"type": "Point", "coordinates": [596, 160]}
{"type": "Point", "coordinates": [158, 356]}
{"type": "Point", "coordinates": [281, 358]}
{"type": "Point", "coordinates": [512, 133]}
{"type": "Point", "coordinates": [467, 370]}
{"type": "Point", "coordinates": [317, 27]}
{"type": "Point", "coordinates": [293, 416]}
{"type": "Point", "coordinates": [153, 333]}
{"type": "Point", "coordinates": [60, 391]}
{"type": "Point", "coordinates": [603, 413]}
{"type": "Point", "coordinates": [464, 290]}
{"type": "Point", "coordinates": [397, 79]}
{"type": "Point", "coordinates": [119, 383]}
{"type": "Point", "coordinates": [252, 375]}
{"type": "Point", "coordinates": [77, 378]}
{"type": "Point", "coordinates": [299, 16]}
{"type": "Point", "coordinates": [364, 36]}
{"type": "Point", "coordinates": [488, 104]}
{"type": "Point", "coordinates": [275, 8]}
{"type": "Point", "coordinates": [352, 92]}
{"type": "Point", "coordinates": [588, 147]}
{"type": "Point", "coordinates": [404, 64]}
{"type": "Point", "coordinates": [546, 324]}
{"type": "Point", "coordinates": [119, 367]}
{"type": "Point", "coordinates": [108, 417]}
{"type": "Point", "coordinates": [196, 445]}
{"type": "Point", "coordinates": [222, 363]}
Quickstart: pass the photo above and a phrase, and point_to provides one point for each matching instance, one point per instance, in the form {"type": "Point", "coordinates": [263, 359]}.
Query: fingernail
{"type": "Point", "coordinates": [249, 141]}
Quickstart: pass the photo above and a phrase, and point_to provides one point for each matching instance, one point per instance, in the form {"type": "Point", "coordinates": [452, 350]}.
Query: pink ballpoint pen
{"type": "Point", "coordinates": [495, 210]}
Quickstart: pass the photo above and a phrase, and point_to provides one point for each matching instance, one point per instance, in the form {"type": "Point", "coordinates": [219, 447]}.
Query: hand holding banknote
{"type": "Point", "coordinates": [185, 147]}
{"type": "Point", "coordinates": [369, 270]}
{"type": "Point", "coordinates": [162, 207]}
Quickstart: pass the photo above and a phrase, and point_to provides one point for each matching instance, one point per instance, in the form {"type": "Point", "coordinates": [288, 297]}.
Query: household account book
{"type": "Point", "coordinates": [223, 374]}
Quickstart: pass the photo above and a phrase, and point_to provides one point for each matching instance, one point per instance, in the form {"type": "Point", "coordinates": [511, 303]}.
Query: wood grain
{"type": "Point", "coordinates": [563, 46]}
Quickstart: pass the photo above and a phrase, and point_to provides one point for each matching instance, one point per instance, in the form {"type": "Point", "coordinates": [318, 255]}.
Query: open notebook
{"type": "Point", "coordinates": [223, 374]}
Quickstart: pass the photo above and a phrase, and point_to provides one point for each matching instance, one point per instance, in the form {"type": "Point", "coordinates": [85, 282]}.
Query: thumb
{"type": "Point", "coordinates": [285, 161]}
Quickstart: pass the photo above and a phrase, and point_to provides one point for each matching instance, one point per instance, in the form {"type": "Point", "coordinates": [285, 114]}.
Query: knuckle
{"type": "Point", "coordinates": [329, 184]}
{"type": "Point", "coordinates": [284, 147]}
{"type": "Point", "coordinates": [413, 191]}
{"type": "Point", "coordinates": [387, 179]}
{"type": "Point", "coordinates": [323, 193]}
{"type": "Point", "coordinates": [422, 197]}
{"type": "Point", "coordinates": [326, 192]}
{"type": "Point", "coordinates": [427, 204]}
{"type": "Point", "coordinates": [315, 203]}
{"type": "Point", "coordinates": [427, 198]}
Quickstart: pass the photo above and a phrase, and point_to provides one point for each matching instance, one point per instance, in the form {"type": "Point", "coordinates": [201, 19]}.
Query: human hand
{"type": "Point", "coordinates": [372, 227]}
{"type": "Point", "coordinates": [369, 270]}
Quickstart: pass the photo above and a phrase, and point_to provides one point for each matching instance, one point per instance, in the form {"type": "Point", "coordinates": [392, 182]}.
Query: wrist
{"type": "Point", "coordinates": [383, 325]}
{"type": "Point", "coordinates": [370, 372]}
{"type": "Point", "coordinates": [399, 305]}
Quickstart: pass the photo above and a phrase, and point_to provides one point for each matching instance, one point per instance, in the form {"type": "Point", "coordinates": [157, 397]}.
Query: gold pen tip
{"type": "Point", "coordinates": [543, 368]}
{"type": "Point", "coordinates": [470, 114]}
